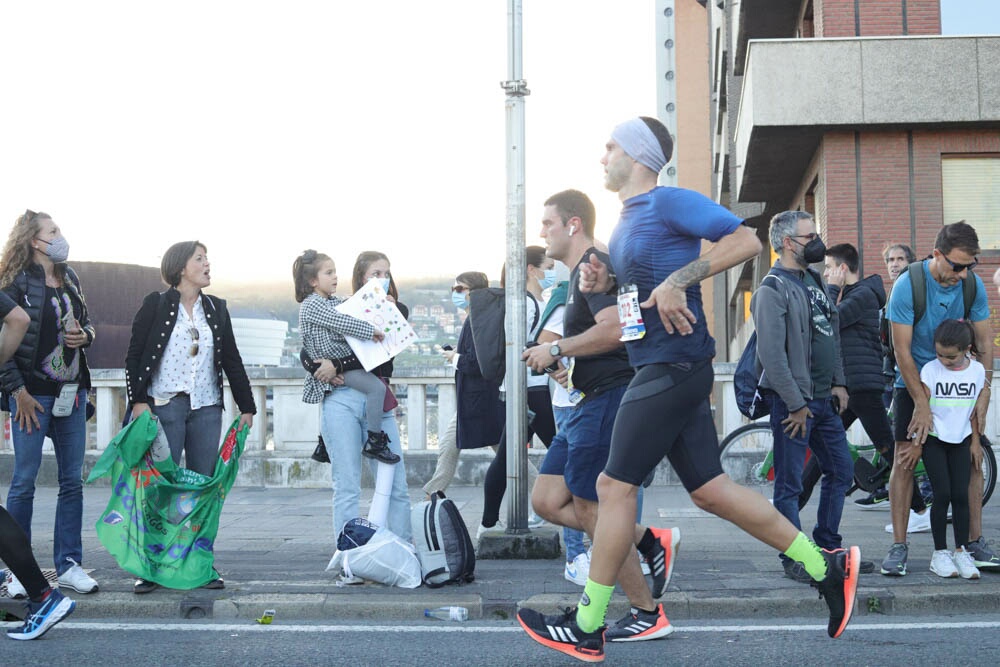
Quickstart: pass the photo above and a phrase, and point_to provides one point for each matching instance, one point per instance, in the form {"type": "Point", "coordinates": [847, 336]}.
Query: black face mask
{"type": "Point", "coordinates": [812, 252]}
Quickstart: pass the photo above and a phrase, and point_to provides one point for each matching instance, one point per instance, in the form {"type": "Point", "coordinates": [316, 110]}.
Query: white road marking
{"type": "Point", "coordinates": [428, 629]}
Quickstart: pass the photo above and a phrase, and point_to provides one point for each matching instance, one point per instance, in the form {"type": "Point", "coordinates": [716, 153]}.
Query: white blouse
{"type": "Point", "coordinates": [180, 371]}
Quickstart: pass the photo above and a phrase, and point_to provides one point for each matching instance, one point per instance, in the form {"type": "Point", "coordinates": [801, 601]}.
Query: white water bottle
{"type": "Point", "coordinates": [448, 613]}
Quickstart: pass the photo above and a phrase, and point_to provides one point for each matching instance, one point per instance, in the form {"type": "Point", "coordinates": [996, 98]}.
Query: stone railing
{"type": "Point", "coordinates": [285, 428]}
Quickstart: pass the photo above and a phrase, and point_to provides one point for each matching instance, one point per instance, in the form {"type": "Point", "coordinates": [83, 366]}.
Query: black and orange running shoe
{"type": "Point", "coordinates": [561, 633]}
{"type": "Point", "coordinates": [661, 557]}
{"type": "Point", "coordinates": [840, 586]}
{"type": "Point", "coordinates": [639, 625]}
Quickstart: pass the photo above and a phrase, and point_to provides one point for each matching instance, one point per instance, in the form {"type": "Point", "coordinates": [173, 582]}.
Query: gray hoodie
{"type": "Point", "coordinates": [782, 315]}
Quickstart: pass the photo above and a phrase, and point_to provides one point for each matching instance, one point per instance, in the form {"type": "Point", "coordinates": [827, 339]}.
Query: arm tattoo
{"type": "Point", "coordinates": [688, 275]}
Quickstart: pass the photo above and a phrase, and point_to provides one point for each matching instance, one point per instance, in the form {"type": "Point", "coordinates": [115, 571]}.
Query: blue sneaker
{"type": "Point", "coordinates": [44, 615]}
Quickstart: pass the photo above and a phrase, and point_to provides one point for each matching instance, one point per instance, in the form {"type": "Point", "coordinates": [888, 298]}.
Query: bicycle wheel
{"type": "Point", "coordinates": [989, 471]}
{"type": "Point", "coordinates": [745, 455]}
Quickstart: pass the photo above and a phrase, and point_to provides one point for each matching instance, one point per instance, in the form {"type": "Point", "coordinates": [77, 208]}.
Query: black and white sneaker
{"type": "Point", "coordinates": [639, 625]}
{"type": "Point", "coordinates": [876, 500]}
{"type": "Point", "coordinates": [561, 633]}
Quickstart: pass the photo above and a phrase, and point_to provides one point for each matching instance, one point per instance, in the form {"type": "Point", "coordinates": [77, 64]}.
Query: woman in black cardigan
{"type": "Point", "coordinates": [182, 342]}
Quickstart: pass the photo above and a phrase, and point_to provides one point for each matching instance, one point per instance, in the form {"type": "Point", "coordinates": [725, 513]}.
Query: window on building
{"type": "Point", "coordinates": [970, 187]}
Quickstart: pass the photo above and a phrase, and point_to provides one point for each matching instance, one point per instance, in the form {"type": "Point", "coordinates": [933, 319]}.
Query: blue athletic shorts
{"type": "Point", "coordinates": [579, 451]}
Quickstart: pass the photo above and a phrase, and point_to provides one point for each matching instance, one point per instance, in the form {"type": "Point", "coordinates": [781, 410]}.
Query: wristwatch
{"type": "Point", "coordinates": [555, 350]}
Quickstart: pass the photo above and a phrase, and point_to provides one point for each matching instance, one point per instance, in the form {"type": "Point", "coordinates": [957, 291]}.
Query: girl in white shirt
{"type": "Point", "coordinates": [952, 381]}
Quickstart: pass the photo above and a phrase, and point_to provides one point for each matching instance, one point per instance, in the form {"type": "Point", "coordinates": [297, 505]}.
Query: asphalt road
{"type": "Point", "coordinates": [917, 640]}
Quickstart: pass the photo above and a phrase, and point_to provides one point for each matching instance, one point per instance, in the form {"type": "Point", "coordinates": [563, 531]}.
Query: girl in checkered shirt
{"type": "Point", "coordinates": [323, 329]}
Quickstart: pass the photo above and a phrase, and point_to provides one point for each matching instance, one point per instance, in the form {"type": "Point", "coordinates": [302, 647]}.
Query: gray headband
{"type": "Point", "coordinates": [640, 144]}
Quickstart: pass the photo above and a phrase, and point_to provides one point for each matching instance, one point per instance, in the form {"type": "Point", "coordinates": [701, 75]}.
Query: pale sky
{"type": "Point", "coordinates": [263, 128]}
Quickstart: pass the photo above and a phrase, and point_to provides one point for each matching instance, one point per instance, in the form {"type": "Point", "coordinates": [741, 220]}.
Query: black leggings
{"type": "Point", "coordinates": [15, 551]}
{"type": "Point", "coordinates": [495, 484]}
{"type": "Point", "coordinates": [949, 468]}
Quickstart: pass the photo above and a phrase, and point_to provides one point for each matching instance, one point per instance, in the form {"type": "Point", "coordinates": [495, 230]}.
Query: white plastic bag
{"type": "Point", "coordinates": [385, 558]}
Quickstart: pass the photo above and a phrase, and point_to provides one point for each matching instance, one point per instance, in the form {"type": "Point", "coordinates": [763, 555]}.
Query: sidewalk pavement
{"type": "Point", "coordinates": [274, 544]}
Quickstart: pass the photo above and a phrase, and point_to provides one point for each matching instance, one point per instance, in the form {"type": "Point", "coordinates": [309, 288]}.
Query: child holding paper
{"type": "Point", "coordinates": [323, 329]}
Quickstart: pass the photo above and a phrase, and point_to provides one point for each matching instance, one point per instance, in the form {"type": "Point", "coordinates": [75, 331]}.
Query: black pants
{"type": "Point", "coordinates": [868, 407]}
{"type": "Point", "coordinates": [15, 551]}
{"type": "Point", "coordinates": [495, 484]}
{"type": "Point", "coordinates": [949, 468]}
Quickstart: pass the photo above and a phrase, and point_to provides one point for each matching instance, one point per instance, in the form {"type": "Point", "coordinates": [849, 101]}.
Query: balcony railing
{"type": "Point", "coordinates": [285, 428]}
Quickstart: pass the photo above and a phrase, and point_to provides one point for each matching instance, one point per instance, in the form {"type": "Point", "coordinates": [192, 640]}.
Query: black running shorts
{"type": "Point", "coordinates": [666, 412]}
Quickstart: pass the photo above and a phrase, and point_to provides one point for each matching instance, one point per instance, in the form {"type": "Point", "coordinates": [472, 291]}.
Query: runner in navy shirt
{"type": "Point", "coordinates": [656, 252]}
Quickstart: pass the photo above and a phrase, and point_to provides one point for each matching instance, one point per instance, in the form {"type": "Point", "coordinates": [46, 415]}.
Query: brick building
{"type": "Point", "coordinates": [860, 113]}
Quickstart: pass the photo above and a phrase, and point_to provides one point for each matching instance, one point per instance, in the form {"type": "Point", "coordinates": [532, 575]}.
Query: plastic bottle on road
{"type": "Point", "coordinates": [448, 613]}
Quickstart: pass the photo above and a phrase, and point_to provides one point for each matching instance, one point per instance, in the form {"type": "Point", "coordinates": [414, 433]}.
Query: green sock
{"type": "Point", "coordinates": [593, 605]}
{"type": "Point", "coordinates": [807, 553]}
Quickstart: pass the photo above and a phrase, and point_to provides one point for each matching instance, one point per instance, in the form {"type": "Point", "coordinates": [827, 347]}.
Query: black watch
{"type": "Point", "coordinates": [555, 350]}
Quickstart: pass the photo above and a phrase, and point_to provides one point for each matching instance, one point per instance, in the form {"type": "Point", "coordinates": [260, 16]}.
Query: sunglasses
{"type": "Point", "coordinates": [194, 338]}
{"type": "Point", "coordinates": [458, 289]}
{"type": "Point", "coordinates": [958, 268]}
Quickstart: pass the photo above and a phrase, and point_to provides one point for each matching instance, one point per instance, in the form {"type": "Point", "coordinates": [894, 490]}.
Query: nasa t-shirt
{"type": "Point", "coordinates": [953, 398]}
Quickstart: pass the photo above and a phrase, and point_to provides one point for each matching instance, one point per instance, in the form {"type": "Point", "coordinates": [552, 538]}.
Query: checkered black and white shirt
{"type": "Point", "coordinates": [323, 328]}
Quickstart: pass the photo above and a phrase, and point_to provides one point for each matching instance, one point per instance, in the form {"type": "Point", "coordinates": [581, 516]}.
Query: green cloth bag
{"type": "Point", "coordinates": [161, 520]}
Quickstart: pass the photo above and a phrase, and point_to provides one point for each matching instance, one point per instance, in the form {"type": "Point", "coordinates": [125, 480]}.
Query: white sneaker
{"type": "Point", "coordinates": [578, 570]}
{"type": "Point", "coordinates": [344, 580]}
{"type": "Point", "coordinates": [14, 588]}
{"type": "Point", "coordinates": [644, 566]}
{"type": "Point", "coordinates": [964, 564]}
{"type": "Point", "coordinates": [918, 523]}
{"type": "Point", "coordinates": [77, 579]}
{"type": "Point", "coordinates": [535, 521]}
{"type": "Point", "coordinates": [483, 529]}
{"type": "Point", "coordinates": [943, 565]}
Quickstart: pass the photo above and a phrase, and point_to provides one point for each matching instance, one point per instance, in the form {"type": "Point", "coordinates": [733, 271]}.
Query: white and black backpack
{"type": "Point", "coordinates": [444, 547]}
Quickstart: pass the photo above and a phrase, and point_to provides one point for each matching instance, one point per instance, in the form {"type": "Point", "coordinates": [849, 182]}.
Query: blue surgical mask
{"type": "Point", "coordinates": [383, 282]}
{"type": "Point", "coordinates": [460, 300]}
{"type": "Point", "coordinates": [548, 280]}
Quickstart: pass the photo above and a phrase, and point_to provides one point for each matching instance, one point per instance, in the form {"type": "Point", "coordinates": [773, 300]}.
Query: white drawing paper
{"type": "Point", "coordinates": [369, 304]}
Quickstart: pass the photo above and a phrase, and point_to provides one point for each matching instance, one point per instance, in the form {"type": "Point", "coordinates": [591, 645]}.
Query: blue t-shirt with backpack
{"type": "Point", "coordinates": [943, 303]}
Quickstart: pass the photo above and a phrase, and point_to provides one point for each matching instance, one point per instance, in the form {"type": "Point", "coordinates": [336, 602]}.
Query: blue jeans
{"type": "Point", "coordinates": [572, 537]}
{"type": "Point", "coordinates": [69, 439]}
{"type": "Point", "coordinates": [194, 433]}
{"type": "Point", "coordinates": [345, 429]}
{"type": "Point", "coordinates": [826, 438]}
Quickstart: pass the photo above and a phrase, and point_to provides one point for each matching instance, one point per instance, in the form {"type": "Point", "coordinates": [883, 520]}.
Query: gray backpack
{"type": "Point", "coordinates": [444, 547]}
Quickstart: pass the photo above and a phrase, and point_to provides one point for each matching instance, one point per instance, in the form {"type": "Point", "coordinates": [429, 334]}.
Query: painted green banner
{"type": "Point", "coordinates": [161, 520]}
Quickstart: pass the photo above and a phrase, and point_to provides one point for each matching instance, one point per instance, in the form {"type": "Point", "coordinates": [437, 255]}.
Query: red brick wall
{"type": "Point", "coordinates": [835, 18]}
{"type": "Point", "coordinates": [885, 192]}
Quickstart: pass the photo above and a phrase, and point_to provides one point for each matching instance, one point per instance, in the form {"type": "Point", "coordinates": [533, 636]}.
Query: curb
{"type": "Point", "coordinates": [406, 605]}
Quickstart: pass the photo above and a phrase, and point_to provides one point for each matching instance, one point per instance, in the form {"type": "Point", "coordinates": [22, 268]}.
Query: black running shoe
{"type": "Point", "coordinates": [560, 632]}
{"type": "Point", "coordinates": [661, 557]}
{"type": "Point", "coordinates": [639, 626]}
{"type": "Point", "coordinates": [840, 587]}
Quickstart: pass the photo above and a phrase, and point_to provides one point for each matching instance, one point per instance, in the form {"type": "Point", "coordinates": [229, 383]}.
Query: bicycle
{"type": "Point", "coordinates": [747, 456]}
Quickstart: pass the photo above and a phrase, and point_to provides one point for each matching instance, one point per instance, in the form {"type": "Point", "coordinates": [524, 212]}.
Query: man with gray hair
{"type": "Point", "coordinates": [803, 382]}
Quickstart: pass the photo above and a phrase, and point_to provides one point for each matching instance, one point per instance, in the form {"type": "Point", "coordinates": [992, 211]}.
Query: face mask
{"type": "Point", "coordinates": [383, 282]}
{"type": "Point", "coordinates": [458, 298]}
{"type": "Point", "coordinates": [549, 280]}
{"type": "Point", "coordinates": [812, 252]}
{"type": "Point", "coordinates": [58, 250]}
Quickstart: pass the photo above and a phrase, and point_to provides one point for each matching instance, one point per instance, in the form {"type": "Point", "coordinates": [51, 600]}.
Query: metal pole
{"type": "Point", "coordinates": [666, 81]}
{"type": "Point", "coordinates": [516, 381]}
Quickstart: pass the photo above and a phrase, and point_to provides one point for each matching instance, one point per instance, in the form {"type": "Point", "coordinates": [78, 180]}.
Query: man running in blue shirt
{"type": "Point", "coordinates": [656, 268]}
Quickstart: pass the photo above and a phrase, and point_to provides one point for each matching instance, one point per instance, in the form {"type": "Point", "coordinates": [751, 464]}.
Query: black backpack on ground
{"type": "Point", "coordinates": [444, 547]}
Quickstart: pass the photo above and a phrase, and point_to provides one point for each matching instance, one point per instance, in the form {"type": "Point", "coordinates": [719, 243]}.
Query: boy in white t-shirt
{"type": "Point", "coordinates": [952, 381]}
